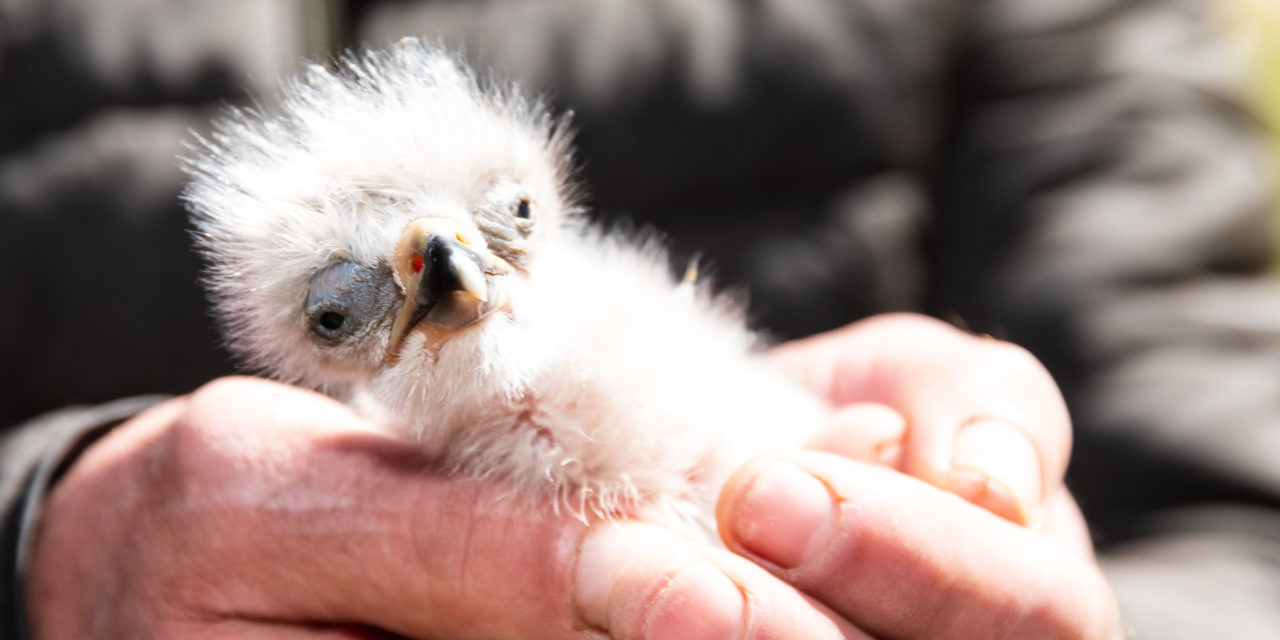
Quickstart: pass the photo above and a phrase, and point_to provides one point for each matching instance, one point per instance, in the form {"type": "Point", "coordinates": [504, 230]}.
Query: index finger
{"type": "Point", "coordinates": [984, 419]}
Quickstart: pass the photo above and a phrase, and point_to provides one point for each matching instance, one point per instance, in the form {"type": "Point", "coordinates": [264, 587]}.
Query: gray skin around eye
{"type": "Point", "coordinates": [505, 229]}
{"type": "Point", "coordinates": [348, 300]}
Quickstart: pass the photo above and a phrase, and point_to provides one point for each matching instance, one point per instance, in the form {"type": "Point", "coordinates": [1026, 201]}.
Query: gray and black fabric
{"type": "Point", "coordinates": [33, 459]}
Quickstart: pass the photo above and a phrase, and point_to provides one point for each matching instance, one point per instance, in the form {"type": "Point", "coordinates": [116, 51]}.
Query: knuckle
{"type": "Point", "coordinates": [229, 390]}
{"type": "Point", "coordinates": [1016, 364]}
{"type": "Point", "coordinates": [1036, 387]}
{"type": "Point", "coordinates": [200, 445]}
{"type": "Point", "coordinates": [1014, 357]}
{"type": "Point", "coordinates": [175, 462]}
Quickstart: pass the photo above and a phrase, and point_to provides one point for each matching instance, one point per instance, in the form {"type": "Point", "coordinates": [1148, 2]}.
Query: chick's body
{"type": "Point", "coordinates": [405, 232]}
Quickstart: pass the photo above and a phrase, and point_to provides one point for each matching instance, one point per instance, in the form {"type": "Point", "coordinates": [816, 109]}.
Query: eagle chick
{"type": "Point", "coordinates": [403, 231]}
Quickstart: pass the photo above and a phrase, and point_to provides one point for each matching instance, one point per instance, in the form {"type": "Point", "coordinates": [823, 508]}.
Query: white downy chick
{"type": "Point", "coordinates": [404, 231]}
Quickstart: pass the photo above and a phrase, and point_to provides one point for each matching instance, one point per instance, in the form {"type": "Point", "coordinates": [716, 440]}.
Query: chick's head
{"type": "Point", "coordinates": [384, 211]}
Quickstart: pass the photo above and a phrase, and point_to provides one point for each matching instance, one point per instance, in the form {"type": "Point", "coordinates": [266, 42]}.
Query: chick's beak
{"type": "Point", "coordinates": [448, 281]}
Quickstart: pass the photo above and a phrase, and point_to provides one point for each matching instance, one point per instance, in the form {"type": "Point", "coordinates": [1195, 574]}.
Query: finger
{"type": "Point", "coordinates": [985, 419]}
{"type": "Point", "coordinates": [314, 515]}
{"type": "Point", "coordinates": [637, 580]}
{"type": "Point", "coordinates": [900, 558]}
{"type": "Point", "coordinates": [267, 630]}
{"type": "Point", "coordinates": [864, 431]}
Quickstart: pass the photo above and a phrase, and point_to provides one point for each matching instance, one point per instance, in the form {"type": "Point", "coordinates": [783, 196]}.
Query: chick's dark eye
{"type": "Point", "coordinates": [346, 299]}
{"type": "Point", "coordinates": [331, 320]}
{"type": "Point", "coordinates": [522, 210]}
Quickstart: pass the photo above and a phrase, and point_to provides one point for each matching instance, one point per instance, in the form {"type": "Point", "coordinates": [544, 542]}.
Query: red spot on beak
{"type": "Point", "coordinates": [417, 264]}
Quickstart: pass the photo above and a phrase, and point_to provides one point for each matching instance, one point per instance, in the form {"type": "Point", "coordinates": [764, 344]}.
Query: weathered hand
{"type": "Point", "coordinates": [252, 509]}
{"type": "Point", "coordinates": [880, 538]}
{"type": "Point", "coordinates": [975, 416]}
{"type": "Point", "coordinates": [903, 558]}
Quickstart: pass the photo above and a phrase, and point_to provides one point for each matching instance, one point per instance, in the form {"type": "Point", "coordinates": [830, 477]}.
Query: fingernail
{"type": "Point", "coordinates": [785, 516]}
{"type": "Point", "coordinates": [869, 432]}
{"type": "Point", "coordinates": [996, 467]}
{"type": "Point", "coordinates": [604, 552]}
{"type": "Point", "coordinates": [638, 580]}
{"type": "Point", "coordinates": [700, 603]}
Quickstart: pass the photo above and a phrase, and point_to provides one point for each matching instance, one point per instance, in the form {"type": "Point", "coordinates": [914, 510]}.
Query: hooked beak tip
{"type": "Point", "coordinates": [448, 281]}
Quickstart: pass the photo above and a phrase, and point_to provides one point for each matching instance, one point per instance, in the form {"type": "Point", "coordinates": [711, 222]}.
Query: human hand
{"type": "Point", "coordinates": [898, 557]}
{"type": "Point", "coordinates": [251, 509]}
{"type": "Point", "coordinates": [937, 433]}
{"type": "Point", "coordinates": [986, 420]}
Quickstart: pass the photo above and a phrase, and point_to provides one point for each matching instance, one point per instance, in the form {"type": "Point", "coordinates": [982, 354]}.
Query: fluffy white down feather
{"type": "Point", "coordinates": [607, 381]}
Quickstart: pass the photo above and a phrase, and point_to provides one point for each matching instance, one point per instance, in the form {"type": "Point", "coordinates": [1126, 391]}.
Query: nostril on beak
{"type": "Point", "coordinates": [449, 267]}
{"type": "Point", "coordinates": [439, 276]}
{"type": "Point", "coordinates": [438, 247]}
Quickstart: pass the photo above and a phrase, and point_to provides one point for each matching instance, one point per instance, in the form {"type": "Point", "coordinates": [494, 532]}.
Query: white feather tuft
{"type": "Point", "coordinates": [609, 381]}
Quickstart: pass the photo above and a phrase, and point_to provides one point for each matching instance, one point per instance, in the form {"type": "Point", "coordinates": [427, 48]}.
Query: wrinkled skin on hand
{"type": "Point", "coordinates": [252, 509]}
{"type": "Point", "coordinates": [931, 507]}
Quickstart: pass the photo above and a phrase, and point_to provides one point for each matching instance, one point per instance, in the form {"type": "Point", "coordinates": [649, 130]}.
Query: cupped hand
{"type": "Point", "coordinates": [972, 415]}
{"type": "Point", "coordinates": [937, 432]}
{"type": "Point", "coordinates": [933, 507]}
{"type": "Point", "coordinates": [252, 509]}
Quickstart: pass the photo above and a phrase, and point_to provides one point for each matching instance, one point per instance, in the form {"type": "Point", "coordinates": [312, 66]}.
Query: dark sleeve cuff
{"type": "Point", "coordinates": [32, 458]}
